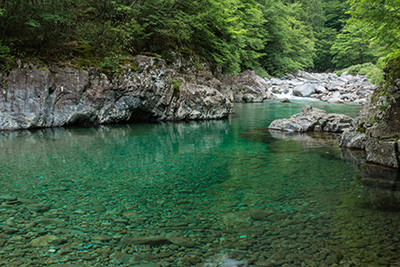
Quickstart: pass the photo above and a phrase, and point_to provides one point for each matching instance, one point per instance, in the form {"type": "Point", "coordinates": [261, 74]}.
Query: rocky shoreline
{"type": "Point", "coordinates": [147, 89]}
{"type": "Point", "coordinates": [327, 87]}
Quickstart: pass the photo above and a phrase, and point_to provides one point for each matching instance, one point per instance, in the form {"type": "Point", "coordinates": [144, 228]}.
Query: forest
{"type": "Point", "coordinates": [272, 37]}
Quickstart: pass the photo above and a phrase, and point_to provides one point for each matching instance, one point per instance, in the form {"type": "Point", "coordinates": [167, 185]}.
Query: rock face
{"type": "Point", "coordinates": [377, 129]}
{"type": "Point", "coordinates": [327, 87]}
{"type": "Point", "coordinates": [313, 119]}
{"type": "Point", "coordinates": [245, 87]}
{"type": "Point", "coordinates": [33, 97]}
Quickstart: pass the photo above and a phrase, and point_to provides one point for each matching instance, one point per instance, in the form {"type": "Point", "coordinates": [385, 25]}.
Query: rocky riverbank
{"type": "Point", "coordinates": [377, 128]}
{"type": "Point", "coordinates": [327, 87]}
{"type": "Point", "coordinates": [37, 97]}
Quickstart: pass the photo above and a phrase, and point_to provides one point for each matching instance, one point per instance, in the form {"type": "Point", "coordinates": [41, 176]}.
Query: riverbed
{"type": "Point", "coordinates": [211, 193]}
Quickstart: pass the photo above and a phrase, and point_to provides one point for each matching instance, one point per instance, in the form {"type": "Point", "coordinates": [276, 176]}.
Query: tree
{"type": "Point", "coordinates": [352, 47]}
{"type": "Point", "coordinates": [381, 21]}
{"type": "Point", "coordinates": [290, 43]}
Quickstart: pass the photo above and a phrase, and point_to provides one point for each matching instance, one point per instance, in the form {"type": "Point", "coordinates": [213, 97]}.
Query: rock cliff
{"type": "Point", "coordinates": [146, 89]}
{"type": "Point", "coordinates": [377, 128]}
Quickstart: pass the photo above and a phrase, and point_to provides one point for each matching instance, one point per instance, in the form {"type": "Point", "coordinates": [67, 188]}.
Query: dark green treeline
{"type": "Point", "coordinates": [269, 36]}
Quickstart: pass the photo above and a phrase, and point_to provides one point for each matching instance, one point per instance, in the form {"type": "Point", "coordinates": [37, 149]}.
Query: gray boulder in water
{"type": "Point", "coordinates": [313, 119]}
{"type": "Point", "coordinates": [304, 90]}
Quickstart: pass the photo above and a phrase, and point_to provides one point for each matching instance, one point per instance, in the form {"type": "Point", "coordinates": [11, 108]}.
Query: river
{"type": "Point", "coordinates": [212, 193]}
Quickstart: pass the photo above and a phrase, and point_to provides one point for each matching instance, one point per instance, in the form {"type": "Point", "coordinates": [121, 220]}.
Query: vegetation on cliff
{"type": "Point", "coordinates": [271, 37]}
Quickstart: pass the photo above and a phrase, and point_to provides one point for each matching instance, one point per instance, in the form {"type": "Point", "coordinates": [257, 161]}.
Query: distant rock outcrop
{"type": "Point", "coordinates": [327, 87]}
{"type": "Point", "coordinates": [313, 119]}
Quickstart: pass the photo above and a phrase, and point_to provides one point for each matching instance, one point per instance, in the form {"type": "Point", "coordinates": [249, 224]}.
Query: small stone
{"type": "Point", "coordinates": [79, 211]}
{"type": "Point", "coordinates": [10, 230]}
{"type": "Point", "coordinates": [102, 238]}
{"type": "Point", "coordinates": [99, 209]}
{"type": "Point", "coordinates": [65, 250]}
{"type": "Point", "coordinates": [150, 240]}
{"type": "Point", "coordinates": [331, 259]}
{"type": "Point", "coordinates": [27, 201]}
{"type": "Point", "coordinates": [52, 250]}
{"type": "Point", "coordinates": [259, 215]}
{"type": "Point", "coordinates": [43, 241]}
{"type": "Point", "coordinates": [40, 208]}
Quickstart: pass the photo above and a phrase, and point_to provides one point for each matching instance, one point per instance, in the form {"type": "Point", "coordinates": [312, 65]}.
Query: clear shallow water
{"type": "Point", "coordinates": [216, 193]}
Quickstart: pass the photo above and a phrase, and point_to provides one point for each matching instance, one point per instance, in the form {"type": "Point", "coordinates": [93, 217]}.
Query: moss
{"type": "Point", "coordinates": [391, 138]}
{"type": "Point", "coordinates": [176, 83]}
{"type": "Point", "coordinates": [133, 66]}
{"type": "Point", "coordinates": [152, 54]}
{"type": "Point", "coordinates": [361, 127]}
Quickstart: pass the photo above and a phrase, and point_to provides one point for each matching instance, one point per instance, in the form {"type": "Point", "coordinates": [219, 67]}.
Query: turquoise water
{"type": "Point", "coordinates": [214, 193]}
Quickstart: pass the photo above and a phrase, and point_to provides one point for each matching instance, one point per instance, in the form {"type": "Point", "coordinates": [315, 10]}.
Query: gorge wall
{"type": "Point", "coordinates": [377, 128]}
{"type": "Point", "coordinates": [145, 90]}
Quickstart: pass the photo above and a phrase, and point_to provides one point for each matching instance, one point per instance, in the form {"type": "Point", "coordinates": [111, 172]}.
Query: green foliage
{"type": "Point", "coordinates": [290, 43]}
{"type": "Point", "coordinates": [352, 47]}
{"type": "Point", "coordinates": [369, 69]}
{"type": "Point", "coordinates": [381, 22]}
{"type": "Point", "coordinates": [176, 84]}
{"type": "Point", "coordinates": [269, 36]}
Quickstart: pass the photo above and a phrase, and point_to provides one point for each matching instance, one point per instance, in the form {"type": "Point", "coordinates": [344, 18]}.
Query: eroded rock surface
{"type": "Point", "coordinates": [377, 128]}
{"type": "Point", "coordinates": [33, 97]}
{"type": "Point", "coordinates": [313, 119]}
{"type": "Point", "coordinates": [246, 87]}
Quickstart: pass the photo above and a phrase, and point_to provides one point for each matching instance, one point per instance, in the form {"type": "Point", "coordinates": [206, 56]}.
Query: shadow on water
{"type": "Point", "coordinates": [381, 185]}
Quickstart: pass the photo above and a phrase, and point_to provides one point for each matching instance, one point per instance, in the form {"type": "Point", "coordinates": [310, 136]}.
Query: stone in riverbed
{"type": "Point", "coordinates": [259, 215]}
{"type": "Point", "coordinates": [40, 208]}
{"type": "Point", "coordinates": [43, 241]}
{"type": "Point", "coordinates": [149, 240]}
{"type": "Point", "coordinates": [313, 119]}
{"type": "Point", "coordinates": [304, 90]}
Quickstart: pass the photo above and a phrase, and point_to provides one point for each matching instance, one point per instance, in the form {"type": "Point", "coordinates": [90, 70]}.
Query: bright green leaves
{"type": "Point", "coordinates": [269, 36]}
{"type": "Point", "coordinates": [290, 43]}
{"type": "Point", "coordinates": [352, 47]}
{"type": "Point", "coordinates": [381, 23]}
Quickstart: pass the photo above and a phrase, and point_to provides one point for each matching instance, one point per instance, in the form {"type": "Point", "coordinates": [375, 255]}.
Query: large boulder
{"type": "Point", "coordinates": [352, 139]}
{"type": "Point", "coordinates": [245, 87]}
{"type": "Point", "coordinates": [304, 90]}
{"type": "Point", "coordinates": [313, 119]}
{"type": "Point", "coordinates": [37, 97]}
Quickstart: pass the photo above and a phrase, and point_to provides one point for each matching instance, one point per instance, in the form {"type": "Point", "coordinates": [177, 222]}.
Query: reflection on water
{"type": "Point", "coordinates": [218, 193]}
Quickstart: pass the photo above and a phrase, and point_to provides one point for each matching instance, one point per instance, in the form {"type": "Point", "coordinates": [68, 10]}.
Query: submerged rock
{"type": "Point", "coordinates": [313, 119]}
